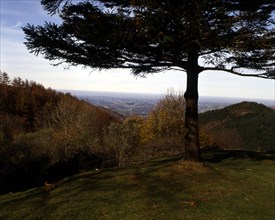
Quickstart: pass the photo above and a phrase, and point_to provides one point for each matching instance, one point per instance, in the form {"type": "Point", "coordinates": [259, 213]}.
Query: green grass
{"type": "Point", "coordinates": [238, 185]}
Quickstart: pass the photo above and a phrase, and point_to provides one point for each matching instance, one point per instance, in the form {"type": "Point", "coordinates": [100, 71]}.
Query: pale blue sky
{"type": "Point", "coordinates": [18, 62]}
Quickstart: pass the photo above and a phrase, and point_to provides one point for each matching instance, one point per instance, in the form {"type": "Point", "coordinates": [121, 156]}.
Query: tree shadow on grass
{"type": "Point", "coordinates": [216, 156]}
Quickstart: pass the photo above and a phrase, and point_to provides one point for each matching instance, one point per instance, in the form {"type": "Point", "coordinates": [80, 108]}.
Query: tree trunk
{"type": "Point", "coordinates": [191, 140]}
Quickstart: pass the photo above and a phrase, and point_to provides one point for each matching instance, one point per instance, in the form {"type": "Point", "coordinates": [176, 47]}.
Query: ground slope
{"type": "Point", "coordinates": [229, 185]}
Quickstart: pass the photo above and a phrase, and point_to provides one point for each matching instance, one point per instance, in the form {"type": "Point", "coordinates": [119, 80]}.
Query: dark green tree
{"type": "Point", "coordinates": [4, 78]}
{"type": "Point", "coordinates": [149, 36]}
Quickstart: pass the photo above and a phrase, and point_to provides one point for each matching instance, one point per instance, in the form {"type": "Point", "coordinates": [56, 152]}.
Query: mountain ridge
{"type": "Point", "coordinates": [245, 125]}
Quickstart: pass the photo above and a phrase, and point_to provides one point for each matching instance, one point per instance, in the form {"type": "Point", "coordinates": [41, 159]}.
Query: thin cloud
{"type": "Point", "coordinates": [17, 25]}
{"type": "Point", "coordinates": [9, 12]}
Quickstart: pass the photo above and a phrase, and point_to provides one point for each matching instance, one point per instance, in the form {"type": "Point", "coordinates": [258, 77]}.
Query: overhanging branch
{"type": "Point", "coordinates": [264, 75]}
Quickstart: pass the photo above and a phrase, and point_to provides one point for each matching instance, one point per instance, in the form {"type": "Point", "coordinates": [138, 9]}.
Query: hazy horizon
{"type": "Point", "coordinates": [140, 95]}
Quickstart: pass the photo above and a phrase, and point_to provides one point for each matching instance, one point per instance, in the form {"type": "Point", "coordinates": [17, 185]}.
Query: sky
{"type": "Point", "coordinates": [18, 62]}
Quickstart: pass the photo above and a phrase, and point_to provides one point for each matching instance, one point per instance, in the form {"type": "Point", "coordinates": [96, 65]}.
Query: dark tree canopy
{"type": "Point", "coordinates": [149, 36]}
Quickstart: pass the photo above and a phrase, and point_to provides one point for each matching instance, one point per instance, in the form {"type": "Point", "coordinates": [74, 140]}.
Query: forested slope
{"type": "Point", "coordinates": [46, 134]}
{"type": "Point", "coordinates": [246, 125]}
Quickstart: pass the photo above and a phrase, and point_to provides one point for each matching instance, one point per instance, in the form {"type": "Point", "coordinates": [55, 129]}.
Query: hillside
{"type": "Point", "coordinates": [47, 135]}
{"type": "Point", "coordinates": [229, 185]}
{"type": "Point", "coordinates": [245, 125]}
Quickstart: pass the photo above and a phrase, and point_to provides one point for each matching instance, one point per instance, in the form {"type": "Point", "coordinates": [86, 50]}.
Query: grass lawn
{"type": "Point", "coordinates": [228, 185]}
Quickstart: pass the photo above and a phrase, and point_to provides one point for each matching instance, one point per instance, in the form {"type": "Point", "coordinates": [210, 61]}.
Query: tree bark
{"type": "Point", "coordinates": [191, 140]}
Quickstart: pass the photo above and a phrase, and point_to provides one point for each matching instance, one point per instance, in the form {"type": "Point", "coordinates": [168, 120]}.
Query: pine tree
{"type": "Point", "coordinates": [4, 78]}
{"type": "Point", "coordinates": [236, 36]}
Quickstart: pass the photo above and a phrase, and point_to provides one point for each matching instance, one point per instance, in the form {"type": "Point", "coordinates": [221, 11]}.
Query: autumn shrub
{"type": "Point", "coordinates": [78, 127]}
{"type": "Point", "coordinates": [164, 126]}
{"type": "Point", "coordinates": [124, 140]}
{"type": "Point", "coordinates": [137, 139]}
{"type": "Point", "coordinates": [206, 140]}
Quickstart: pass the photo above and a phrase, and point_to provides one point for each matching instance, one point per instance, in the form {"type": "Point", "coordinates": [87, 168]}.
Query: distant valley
{"type": "Point", "coordinates": [129, 104]}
